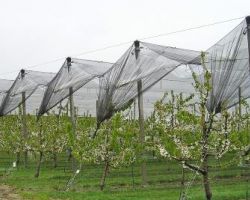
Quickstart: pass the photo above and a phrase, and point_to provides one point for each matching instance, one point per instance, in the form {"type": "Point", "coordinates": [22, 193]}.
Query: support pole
{"type": "Point", "coordinates": [72, 109]}
{"type": "Point", "coordinates": [72, 113]}
{"type": "Point", "coordinates": [71, 100]}
{"type": "Point", "coordinates": [18, 156]}
{"type": "Point", "coordinates": [226, 124]}
{"type": "Point", "coordinates": [24, 122]}
{"type": "Point", "coordinates": [96, 108]}
{"type": "Point", "coordinates": [134, 114]}
{"type": "Point", "coordinates": [248, 39]}
{"type": "Point", "coordinates": [248, 138]}
{"type": "Point", "coordinates": [248, 36]}
{"type": "Point", "coordinates": [172, 110]}
{"type": "Point", "coordinates": [141, 118]}
{"type": "Point", "coordinates": [142, 134]}
{"type": "Point", "coordinates": [240, 111]}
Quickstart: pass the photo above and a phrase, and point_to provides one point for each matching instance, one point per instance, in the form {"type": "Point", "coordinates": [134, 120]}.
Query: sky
{"type": "Point", "coordinates": [35, 32]}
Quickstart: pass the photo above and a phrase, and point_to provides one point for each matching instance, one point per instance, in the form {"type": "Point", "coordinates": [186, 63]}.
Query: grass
{"type": "Point", "coordinates": [163, 178]}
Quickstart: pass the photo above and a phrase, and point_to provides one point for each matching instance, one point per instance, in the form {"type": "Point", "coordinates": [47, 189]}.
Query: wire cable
{"type": "Point", "coordinates": [128, 42]}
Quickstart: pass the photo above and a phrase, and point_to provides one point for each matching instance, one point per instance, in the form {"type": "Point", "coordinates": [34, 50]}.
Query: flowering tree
{"type": "Point", "coordinates": [115, 145]}
{"type": "Point", "coordinates": [189, 136]}
{"type": "Point", "coordinates": [11, 139]}
{"type": "Point", "coordinates": [46, 137]}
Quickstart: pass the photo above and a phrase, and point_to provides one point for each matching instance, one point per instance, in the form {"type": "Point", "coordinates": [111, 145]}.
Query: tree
{"type": "Point", "coordinates": [186, 136]}
{"type": "Point", "coordinates": [115, 144]}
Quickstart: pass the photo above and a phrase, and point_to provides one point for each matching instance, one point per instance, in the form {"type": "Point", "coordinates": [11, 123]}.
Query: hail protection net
{"type": "Point", "coordinates": [143, 62]}
{"type": "Point", "coordinates": [26, 83]}
{"type": "Point", "coordinates": [228, 62]}
{"type": "Point", "coordinates": [179, 81]}
{"type": "Point", "coordinates": [73, 75]}
{"type": "Point", "coordinates": [4, 87]}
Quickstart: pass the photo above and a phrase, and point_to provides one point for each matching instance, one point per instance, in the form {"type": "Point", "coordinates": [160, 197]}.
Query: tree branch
{"type": "Point", "coordinates": [246, 151]}
{"type": "Point", "coordinates": [192, 167]}
{"type": "Point", "coordinates": [195, 168]}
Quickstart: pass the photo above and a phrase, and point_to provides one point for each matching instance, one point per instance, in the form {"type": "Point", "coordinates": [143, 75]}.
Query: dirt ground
{"type": "Point", "coordinates": [8, 193]}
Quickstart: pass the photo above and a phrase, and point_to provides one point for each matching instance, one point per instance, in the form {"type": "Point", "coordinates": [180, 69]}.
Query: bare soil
{"type": "Point", "coordinates": [8, 193]}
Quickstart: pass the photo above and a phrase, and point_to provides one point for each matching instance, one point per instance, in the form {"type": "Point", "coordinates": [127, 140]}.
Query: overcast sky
{"type": "Point", "coordinates": [34, 32]}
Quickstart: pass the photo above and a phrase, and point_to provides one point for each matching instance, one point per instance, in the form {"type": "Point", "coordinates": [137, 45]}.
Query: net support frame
{"type": "Point", "coordinates": [24, 121]}
{"type": "Point", "coordinates": [240, 108]}
{"type": "Point", "coordinates": [141, 116]}
{"type": "Point", "coordinates": [248, 36]}
{"type": "Point", "coordinates": [71, 101]}
{"type": "Point", "coordinates": [72, 113]}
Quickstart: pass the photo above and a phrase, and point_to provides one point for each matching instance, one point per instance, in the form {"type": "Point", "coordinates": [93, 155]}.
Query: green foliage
{"type": "Point", "coordinates": [175, 127]}
{"type": "Point", "coordinates": [116, 141]}
{"type": "Point", "coordinates": [182, 130]}
{"type": "Point", "coordinates": [10, 137]}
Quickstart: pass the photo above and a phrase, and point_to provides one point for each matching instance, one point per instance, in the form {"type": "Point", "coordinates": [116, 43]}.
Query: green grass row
{"type": "Point", "coordinates": [164, 179]}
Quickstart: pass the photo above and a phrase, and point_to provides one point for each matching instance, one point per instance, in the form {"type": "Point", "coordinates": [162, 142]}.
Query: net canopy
{"type": "Point", "coordinates": [143, 62]}
{"type": "Point", "coordinates": [158, 68]}
{"type": "Point", "coordinates": [228, 62]}
{"type": "Point", "coordinates": [26, 83]}
{"type": "Point", "coordinates": [73, 75]}
{"type": "Point", "coordinates": [4, 86]}
{"type": "Point", "coordinates": [179, 81]}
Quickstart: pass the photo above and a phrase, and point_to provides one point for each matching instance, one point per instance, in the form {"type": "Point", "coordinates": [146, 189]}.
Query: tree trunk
{"type": "Point", "coordinates": [104, 175]}
{"type": "Point", "coordinates": [206, 132]}
{"type": "Point", "coordinates": [74, 163]}
{"type": "Point", "coordinates": [54, 160]}
{"type": "Point", "coordinates": [39, 165]}
{"type": "Point", "coordinates": [25, 159]}
{"type": "Point", "coordinates": [182, 192]}
{"type": "Point", "coordinates": [207, 186]}
{"type": "Point", "coordinates": [18, 159]}
{"type": "Point", "coordinates": [206, 183]}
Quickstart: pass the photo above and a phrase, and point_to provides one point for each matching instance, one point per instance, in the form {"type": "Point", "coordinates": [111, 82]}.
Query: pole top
{"type": "Point", "coordinates": [68, 60]}
{"type": "Point", "coordinates": [137, 43]}
{"type": "Point", "coordinates": [248, 20]}
{"type": "Point", "coordinates": [22, 73]}
{"type": "Point", "coordinates": [137, 48]}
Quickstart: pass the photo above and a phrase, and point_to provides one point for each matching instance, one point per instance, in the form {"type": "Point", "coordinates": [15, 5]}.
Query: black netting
{"type": "Point", "coordinates": [228, 62]}
{"type": "Point", "coordinates": [85, 98]}
{"type": "Point", "coordinates": [73, 75]}
{"type": "Point", "coordinates": [159, 68]}
{"type": "Point", "coordinates": [4, 87]}
{"type": "Point", "coordinates": [26, 83]}
{"type": "Point", "coordinates": [148, 63]}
